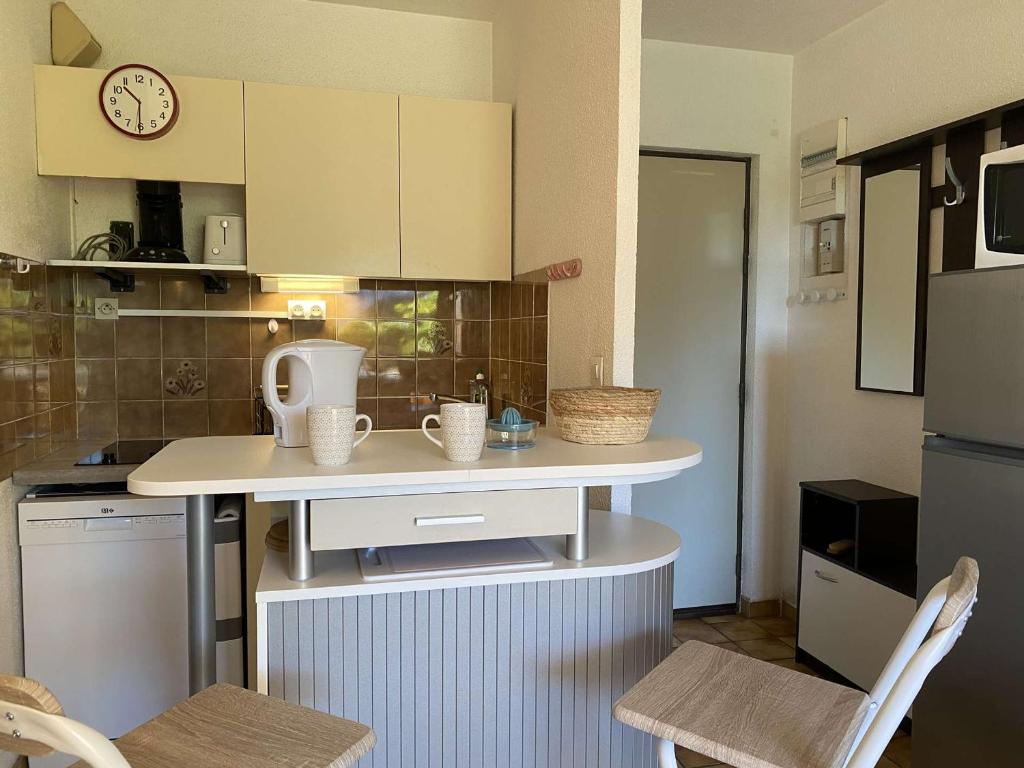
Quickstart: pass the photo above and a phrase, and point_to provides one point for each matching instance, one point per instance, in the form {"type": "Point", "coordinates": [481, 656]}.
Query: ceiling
{"type": "Point", "coordinates": [781, 26]}
{"type": "Point", "coordinates": [482, 10]}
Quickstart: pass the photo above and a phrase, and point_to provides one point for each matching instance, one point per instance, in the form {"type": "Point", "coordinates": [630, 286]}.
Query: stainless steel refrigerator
{"type": "Point", "coordinates": [971, 709]}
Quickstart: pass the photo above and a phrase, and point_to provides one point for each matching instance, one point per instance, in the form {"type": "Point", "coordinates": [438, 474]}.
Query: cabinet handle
{"type": "Point", "coordinates": [823, 577]}
{"type": "Point", "coordinates": [449, 520]}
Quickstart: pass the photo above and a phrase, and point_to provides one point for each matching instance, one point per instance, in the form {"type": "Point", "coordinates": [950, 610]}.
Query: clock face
{"type": "Point", "coordinates": [139, 101]}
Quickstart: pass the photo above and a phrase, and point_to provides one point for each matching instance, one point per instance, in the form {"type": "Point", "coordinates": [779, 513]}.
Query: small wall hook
{"type": "Point", "coordinates": [960, 193]}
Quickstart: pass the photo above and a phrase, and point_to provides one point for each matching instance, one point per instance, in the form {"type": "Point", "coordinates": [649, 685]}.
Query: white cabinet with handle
{"type": "Point", "coordinates": [849, 621]}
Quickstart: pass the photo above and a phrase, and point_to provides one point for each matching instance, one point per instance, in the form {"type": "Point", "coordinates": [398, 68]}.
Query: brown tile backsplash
{"type": "Point", "coordinates": [65, 374]}
{"type": "Point", "coordinates": [518, 347]}
{"type": "Point", "coordinates": [37, 364]}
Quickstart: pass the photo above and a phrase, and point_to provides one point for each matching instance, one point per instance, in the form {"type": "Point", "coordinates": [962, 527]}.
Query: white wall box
{"type": "Point", "coordinates": [822, 181]}
{"type": "Point", "coordinates": [321, 193]}
{"type": "Point", "coordinates": [73, 137]}
{"type": "Point", "coordinates": [456, 171]}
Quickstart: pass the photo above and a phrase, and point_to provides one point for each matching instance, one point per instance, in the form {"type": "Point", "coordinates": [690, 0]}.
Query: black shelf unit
{"type": "Point", "coordinates": [881, 523]}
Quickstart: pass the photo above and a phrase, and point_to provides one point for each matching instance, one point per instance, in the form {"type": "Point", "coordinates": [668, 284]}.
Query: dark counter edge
{"type": "Point", "coordinates": [59, 467]}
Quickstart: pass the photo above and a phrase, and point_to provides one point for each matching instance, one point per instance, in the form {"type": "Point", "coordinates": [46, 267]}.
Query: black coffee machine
{"type": "Point", "coordinates": [160, 234]}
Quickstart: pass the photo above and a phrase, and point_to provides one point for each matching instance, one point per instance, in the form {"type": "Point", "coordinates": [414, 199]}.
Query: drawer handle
{"type": "Point", "coordinates": [450, 520]}
{"type": "Point", "coordinates": [823, 577]}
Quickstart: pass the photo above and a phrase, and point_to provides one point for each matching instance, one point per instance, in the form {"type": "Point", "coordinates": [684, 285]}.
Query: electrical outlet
{"type": "Point", "coordinates": [106, 309]}
{"type": "Point", "coordinates": [307, 310]}
{"type": "Point", "coordinates": [597, 371]}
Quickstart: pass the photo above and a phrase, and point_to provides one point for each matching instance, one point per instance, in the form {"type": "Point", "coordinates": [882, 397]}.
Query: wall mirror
{"type": "Point", "coordinates": [894, 223]}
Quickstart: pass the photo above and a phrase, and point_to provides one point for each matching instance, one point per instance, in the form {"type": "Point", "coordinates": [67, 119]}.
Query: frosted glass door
{"type": "Point", "coordinates": [689, 297]}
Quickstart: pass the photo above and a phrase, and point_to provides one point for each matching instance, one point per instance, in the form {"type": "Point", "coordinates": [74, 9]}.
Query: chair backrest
{"type": "Point", "coordinates": [32, 723]}
{"type": "Point", "coordinates": [936, 626]}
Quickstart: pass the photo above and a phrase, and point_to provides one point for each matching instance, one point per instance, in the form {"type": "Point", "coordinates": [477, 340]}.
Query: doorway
{"type": "Point", "coordinates": [692, 255]}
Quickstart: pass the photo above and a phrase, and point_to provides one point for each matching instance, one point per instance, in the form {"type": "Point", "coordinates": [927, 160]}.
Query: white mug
{"type": "Point", "coordinates": [332, 433]}
{"type": "Point", "coordinates": [463, 427]}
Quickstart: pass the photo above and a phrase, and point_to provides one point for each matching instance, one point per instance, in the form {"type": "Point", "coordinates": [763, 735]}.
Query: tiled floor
{"type": "Point", "coordinates": [771, 640]}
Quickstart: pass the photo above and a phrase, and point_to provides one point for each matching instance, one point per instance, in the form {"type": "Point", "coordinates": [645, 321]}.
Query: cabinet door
{"type": "Point", "coordinates": [456, 189]}
{"type": "Point", "coordinates": [74, 139]}
{"type": "Point", "coordinates": [321, 193]}
{"type": "Point", "coordinates": [849, 622]}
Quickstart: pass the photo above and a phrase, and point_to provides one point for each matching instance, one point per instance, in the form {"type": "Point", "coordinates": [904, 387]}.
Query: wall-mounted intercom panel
{"type": "Point", "coordinates": [830, 246]}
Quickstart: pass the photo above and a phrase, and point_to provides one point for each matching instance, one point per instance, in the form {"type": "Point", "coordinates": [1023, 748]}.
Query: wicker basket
{"type": "Point", "coordinates": [604, 415]}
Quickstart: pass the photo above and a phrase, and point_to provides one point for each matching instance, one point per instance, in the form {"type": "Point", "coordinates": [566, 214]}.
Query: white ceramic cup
{"type": "Point", "coordinates": [332, 433]}
{"type": "Point", "coordinates": [463, 428]}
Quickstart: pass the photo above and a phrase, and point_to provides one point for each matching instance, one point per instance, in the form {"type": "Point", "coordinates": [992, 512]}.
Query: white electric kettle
{"type": "Point", "coordinates": [320, 372]}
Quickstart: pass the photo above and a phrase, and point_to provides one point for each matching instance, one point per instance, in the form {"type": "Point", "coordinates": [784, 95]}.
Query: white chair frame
{"type": "Point", "coordinates": [916, 655]}
{"type": "Point", "coordinates": [62, 734]}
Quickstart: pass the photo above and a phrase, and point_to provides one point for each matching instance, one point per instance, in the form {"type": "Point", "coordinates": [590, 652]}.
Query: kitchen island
{"type": "Point", "coordinates": [513, 667]}
{"type": "Point", "coordinates": [398, 463]}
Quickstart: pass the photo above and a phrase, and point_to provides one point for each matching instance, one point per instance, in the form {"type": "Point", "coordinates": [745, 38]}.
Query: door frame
{"type": "Point", "coordinates": [742, 393]}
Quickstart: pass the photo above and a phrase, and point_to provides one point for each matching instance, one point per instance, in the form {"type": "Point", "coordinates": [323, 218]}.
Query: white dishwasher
{"type": "Point", "coordinates": [103, 588]}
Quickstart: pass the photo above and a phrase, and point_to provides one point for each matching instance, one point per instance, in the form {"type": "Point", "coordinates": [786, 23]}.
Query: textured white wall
{"type": "Point", "coordinates": [572, 71]}
{"type": "Point", "coordinates": [297, 41]}
{"type": "Point", "coordinates": [720, 100]}
{"type": "Point", "coordinates": [904, 67]}
{"type": "Point", "coordinates": [33, 211]}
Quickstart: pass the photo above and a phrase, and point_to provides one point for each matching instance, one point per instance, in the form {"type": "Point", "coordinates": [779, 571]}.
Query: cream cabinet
{"type": "Point", "coordinates": [321, 192]}
{"type": "Point", "coordinates": [73, 137]}
{"type": "Point", "coordinates": [456, 182]}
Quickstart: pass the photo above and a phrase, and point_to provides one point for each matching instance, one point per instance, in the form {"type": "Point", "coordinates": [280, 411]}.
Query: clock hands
{"type": "Point", "coordinates": [138, 101]}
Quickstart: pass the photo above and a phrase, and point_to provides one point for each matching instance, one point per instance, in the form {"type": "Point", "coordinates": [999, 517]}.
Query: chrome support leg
{"type": "Point", "coordinates": [202, 613]}
{"type": "Point", "coordinates": [577, 545]}
{"type": "Point", "coordinates": [300, 556]}
{"type": "Point", "coordinates": [666, 754]}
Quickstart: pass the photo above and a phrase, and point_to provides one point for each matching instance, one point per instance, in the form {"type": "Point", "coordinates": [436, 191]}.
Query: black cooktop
{"type": "Point", "coordinates": [124, 452]}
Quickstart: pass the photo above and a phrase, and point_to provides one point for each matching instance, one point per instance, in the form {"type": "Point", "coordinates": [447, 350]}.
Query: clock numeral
{"type": "Point", "coordinates": [118, 88]}
{"type": "Point", "coordinates": [167, 104]}
{"type": "Point", "coordinates": [163, 115]}
{"type": "Point", "coordinates": [140, 79]}
{"type": "Point", "coordinates": [152, 123]}
{"type": "Point", "coordinates": [125, 80]}
{"type": "Point", "coordinates": [128, 122]}
{"type": "Point", "coordinates": [117, 113]}
{"type": "Point", "coordinates": [113, 100]}
{"type": "Point", "coordinates": [162, 92]}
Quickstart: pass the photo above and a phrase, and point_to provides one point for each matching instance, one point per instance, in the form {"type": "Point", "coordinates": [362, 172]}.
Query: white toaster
{"type": "Point", "coordinates": [225, 239]}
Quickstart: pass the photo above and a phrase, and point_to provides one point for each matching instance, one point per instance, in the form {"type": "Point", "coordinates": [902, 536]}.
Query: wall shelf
{"type": "Point", "coordinates": [121, 274]}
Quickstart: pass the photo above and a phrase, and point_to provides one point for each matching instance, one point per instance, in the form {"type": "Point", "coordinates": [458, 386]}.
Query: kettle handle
{"type": "Point", "coordinates": [270, 362]}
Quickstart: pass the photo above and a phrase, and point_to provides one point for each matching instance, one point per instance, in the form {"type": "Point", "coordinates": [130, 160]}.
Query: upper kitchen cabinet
{"type": "Point", "coordinates": [321, 191]}
{"type": "Point", "coordinates": [456, 189]}
{"type": "Point", "coordinates": [74, 138]}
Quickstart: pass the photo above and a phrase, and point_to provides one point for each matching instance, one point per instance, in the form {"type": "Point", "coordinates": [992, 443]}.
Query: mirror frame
{"type": "Point", "coordinates": [920, 155]}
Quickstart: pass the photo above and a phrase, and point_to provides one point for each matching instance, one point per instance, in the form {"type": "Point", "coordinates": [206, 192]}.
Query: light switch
{"type": "Point", "coordinates": [597, 371]}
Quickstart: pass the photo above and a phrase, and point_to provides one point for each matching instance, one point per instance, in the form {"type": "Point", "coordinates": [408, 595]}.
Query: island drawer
{"type": "Point", "coordinates": [380, 521]}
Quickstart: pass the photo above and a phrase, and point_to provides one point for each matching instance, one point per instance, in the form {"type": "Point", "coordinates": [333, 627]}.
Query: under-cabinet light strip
{"type": "Point", "coordinates": [255, 315]}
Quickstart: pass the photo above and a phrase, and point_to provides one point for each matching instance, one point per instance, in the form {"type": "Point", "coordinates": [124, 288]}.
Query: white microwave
{"type": "Point", "coordinates": [1000, 238]}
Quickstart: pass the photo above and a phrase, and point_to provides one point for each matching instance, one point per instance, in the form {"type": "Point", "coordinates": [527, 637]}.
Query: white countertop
{"type": "Point", "coordinates": [619, 545]}
{"type": "Point", "coordinates": [399, 462]}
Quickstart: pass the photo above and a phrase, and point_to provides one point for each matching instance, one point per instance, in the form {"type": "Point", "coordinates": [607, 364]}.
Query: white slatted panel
{"type": "Point", "coordinates": [517, 676]}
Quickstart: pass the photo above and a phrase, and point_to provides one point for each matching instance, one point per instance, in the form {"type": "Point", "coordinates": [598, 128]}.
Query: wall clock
{"type": "Point", "coordinates": [139, 101]}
